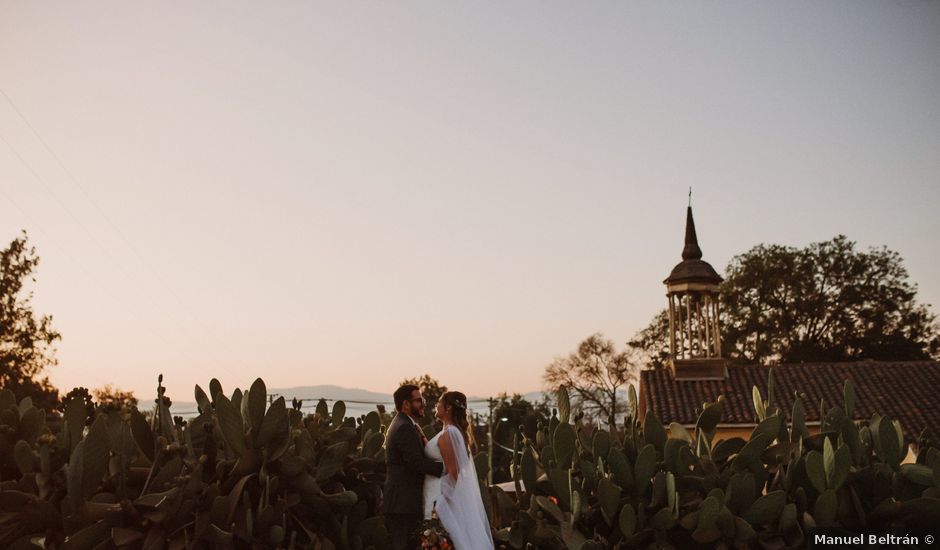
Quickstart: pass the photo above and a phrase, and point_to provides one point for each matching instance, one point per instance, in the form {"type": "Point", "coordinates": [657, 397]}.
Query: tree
{"type": "Point", "coordinates": [431, 390]}
{"type": "Point", "coordinates": [510, 412]}
{"type": "Point", "coordinates": [518, 411]}
{"type": "Point", "coordinates": [26, 340]}
{"type": "Point", "coordinates": [825, 302]}
{"type": "Point", "coordinates": [653, 341]}
{"type": "Point", "coordinates": [594, 376]}
{"type": "Point", "coordinates": [114, 398]}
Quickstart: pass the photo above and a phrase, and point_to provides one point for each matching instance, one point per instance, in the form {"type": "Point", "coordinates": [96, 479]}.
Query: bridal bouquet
{"type": "Point", "coordinates": [433, 536]}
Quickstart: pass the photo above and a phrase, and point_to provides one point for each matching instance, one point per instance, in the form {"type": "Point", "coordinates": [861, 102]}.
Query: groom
{"type": "Point", "coordinates": [406, 467]}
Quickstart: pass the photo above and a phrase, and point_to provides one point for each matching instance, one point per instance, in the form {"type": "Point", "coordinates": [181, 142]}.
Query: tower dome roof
{"type": "Point", "coordinates": [692, 269]}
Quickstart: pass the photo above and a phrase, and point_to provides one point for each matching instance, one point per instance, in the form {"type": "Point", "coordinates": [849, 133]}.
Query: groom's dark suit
{"type": "Point", "coordinates": [404, 481]}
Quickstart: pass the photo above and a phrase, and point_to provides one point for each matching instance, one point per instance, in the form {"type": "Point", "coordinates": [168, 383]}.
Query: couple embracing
{"type": "Point", "coordinates": [437, 475]}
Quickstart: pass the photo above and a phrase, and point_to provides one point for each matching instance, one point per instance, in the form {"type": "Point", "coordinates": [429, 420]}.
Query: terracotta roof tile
{"type": "Point", "coordinates": [903, 390]}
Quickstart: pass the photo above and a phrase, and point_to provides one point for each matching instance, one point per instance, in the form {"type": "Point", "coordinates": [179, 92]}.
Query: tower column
{"type": "Point", "coordinates": [717, 331]}
{"type": "Point", "coordinates": [672, 325]}
{"type": "Point", "coordinates": [708, 326]}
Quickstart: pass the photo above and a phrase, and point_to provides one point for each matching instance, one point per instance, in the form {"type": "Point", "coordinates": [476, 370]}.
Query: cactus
{"type": "Point", "coordinates": [798, 430]}
{"type": "Point", "coordinates": [765, 509]}
{"type": "Point", "coordinates": [848, 391]}
{"type": "Point", "coordinates": [608, 494]}
{"type": "Point", "coordinates": [654, 432]}
{"type": "Point", "coordinates": [564, 405]}
{"type": "Point", "coordinates": [601, 444]}
{"type": "Point", "coordinates": [644, 468]}
{"type": "Point", "coordinates": [778, 483]}
{"type": "Point", "coordinates": [244, 479]}
{"type": "Point", "coordinates": [264, 476]}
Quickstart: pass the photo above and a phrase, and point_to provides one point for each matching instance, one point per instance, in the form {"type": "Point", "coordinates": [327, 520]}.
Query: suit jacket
{"type": "Point", "coordinates": [406, 467]}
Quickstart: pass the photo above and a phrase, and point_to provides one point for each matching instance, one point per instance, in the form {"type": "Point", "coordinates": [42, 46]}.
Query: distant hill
{"type": "Point", "coordinates": [331, 392]}
{"type": "Point", "coordinates": [358, 400]}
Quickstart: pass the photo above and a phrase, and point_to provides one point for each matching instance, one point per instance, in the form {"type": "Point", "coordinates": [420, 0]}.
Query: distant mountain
{"type": "Point", "coordinates": [531, 397]}
{"type": "Point", "coordinates": [333, 393]}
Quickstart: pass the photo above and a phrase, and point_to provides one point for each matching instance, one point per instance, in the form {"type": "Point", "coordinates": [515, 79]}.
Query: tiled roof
{"type": "Point", "coordinates": [903, 390]}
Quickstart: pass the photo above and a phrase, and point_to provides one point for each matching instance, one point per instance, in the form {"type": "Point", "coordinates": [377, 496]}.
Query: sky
{"type": "Point", "coordinates": [356, 193]}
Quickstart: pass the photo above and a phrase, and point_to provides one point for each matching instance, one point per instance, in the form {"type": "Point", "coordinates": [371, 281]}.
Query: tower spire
{"type": "Point", "coordinates": [691, 251]}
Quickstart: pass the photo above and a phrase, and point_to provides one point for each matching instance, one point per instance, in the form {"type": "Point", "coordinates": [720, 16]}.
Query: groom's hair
{"type": "Point", "coordinates": [403, 394]}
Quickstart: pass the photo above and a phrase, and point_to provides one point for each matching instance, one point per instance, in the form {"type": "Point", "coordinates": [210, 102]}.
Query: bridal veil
{"type": "Point", "coordinates": [460, 507]}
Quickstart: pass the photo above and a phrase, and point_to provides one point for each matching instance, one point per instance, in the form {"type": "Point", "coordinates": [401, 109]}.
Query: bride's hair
{"type": "Point", "coordinates": [458, 406]}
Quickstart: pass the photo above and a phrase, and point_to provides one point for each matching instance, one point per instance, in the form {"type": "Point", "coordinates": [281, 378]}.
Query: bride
{"type": "Point", "coordinates": [456, 494]}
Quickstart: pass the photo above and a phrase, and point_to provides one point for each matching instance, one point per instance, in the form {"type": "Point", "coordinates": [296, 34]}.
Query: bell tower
{"type": "Point", "coordinates": [694, 327]}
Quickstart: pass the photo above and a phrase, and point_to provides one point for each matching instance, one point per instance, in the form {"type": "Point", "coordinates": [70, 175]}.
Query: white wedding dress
{"type": "Point", "coordinates": [459, 504]}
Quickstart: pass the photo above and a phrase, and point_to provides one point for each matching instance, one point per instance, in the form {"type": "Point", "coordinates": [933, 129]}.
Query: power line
{"type": "Point", "coordinates": [71, 257]}
{"type": "Point", "coordinates": [120, 234]}
{"type": "Point", "coordinates": [66, 209]}
{"type": "Point", "coordinates": [122, 301]}
{"type": "Point", "coordinates": [108, 221]}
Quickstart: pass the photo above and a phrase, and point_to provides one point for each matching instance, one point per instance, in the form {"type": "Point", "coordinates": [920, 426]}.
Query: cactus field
{"type": "Point", "coordinates": [257, 474]}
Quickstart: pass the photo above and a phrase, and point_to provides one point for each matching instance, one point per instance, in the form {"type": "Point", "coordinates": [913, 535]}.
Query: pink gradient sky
{"type": "Point", "coordinates": [353, 194]}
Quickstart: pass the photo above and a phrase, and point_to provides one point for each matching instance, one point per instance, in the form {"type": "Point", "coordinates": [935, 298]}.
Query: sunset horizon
{"type": "Point", "coordinates": [339, 195]}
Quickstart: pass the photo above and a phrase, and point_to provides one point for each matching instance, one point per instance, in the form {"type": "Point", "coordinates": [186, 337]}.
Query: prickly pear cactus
{"type": "Point", "coordinates": [646, 484]}
{"type": "Point", "coordinates": [245, 473]}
